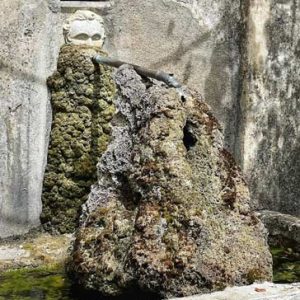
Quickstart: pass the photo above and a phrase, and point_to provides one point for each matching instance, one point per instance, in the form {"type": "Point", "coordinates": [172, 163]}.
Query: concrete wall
{"type": "Point", "coordinates": [28, 51]}
{"type": "Point", "coordinates": [196, 40]}
{"type": "Point", "coordinates": [270, 106]}
{"type": "Point", "coordinates": [251, 81]}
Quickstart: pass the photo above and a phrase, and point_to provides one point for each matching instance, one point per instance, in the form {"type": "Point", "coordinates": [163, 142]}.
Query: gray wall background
{"type": "Point", "coordinates": [270, 104]}
{"type": "Point", "coordinates": [28, 51]}
{"type": "Point", "coordinates": [242, 55]}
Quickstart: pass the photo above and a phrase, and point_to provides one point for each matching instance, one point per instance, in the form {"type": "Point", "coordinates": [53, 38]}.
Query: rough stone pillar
{"type": "Point", "coordinates": [270, 128]}
{"type": "Point", "coordinates": [82, 101]}
{"type": "Point", "coordinates": [28, 52]}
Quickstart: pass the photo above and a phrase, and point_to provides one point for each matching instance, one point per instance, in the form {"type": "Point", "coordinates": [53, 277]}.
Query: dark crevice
{"type": "Point", "coordinates": [189, 138]}
{"type": "Point", "coordinates": [77, 293]}
{"type": "Point", "coordinates": [129, 198]}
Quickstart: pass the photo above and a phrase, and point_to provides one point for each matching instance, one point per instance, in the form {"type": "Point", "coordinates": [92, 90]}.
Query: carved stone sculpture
{"type": "Point", "coordinates": [84, 28]}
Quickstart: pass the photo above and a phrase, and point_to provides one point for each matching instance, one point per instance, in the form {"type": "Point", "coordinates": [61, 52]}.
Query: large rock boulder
{"type": "Point", "coordinates": [170, 213]}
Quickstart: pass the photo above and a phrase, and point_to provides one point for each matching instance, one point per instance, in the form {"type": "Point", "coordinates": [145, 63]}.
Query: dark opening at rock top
{"type": "Point", "coordinates": [170, 212]}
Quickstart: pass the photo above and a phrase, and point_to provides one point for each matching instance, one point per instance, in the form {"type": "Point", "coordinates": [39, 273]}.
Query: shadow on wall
{"type": "Point", "coordinates": [182, 49]}
{"type": "Point", "coordinates": [175, 57]}
{"type": "Point", "coordinates": [4, 67]}
{"type": "Point", "coordinates": [275, 180]}
{"type": "Point", "coordinates": [273, 116]}
{"type": "Point", "coordinates": [223, 84]}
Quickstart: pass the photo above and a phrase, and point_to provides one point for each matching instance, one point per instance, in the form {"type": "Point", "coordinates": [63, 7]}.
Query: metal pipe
{"type": "Point", "coordinates": [158, 75]}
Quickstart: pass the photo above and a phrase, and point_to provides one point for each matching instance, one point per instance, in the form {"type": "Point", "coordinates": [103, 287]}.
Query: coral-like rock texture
{"type": "Point", "coordinates": [82, 101]}
{"type": "Point", "coordinates": [170, 212]}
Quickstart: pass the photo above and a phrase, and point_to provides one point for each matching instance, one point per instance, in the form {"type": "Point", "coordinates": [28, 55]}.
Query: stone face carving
{"type": "Point", "coordinates": [84, 28]}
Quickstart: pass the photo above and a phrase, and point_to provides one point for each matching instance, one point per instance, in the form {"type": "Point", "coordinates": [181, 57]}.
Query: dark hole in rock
{"type": "Point", "coordinates": [135, 292]}
{"type": "Point", "coordinates": [189, 139]}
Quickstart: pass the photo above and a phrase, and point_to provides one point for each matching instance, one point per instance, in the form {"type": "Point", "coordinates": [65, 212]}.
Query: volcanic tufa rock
{"type": "Point", "coordinates": [82, 101]}
{"type": "Point", "coordinates": [170, 213]}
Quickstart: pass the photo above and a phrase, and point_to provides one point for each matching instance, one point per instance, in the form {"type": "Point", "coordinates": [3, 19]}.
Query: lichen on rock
{"type": "Point", "coordinates": [82, 101]}
{"type": "Point", "coordinates": [170, 212]}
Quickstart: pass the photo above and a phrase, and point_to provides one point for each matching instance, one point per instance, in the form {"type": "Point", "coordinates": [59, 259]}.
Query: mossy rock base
{"type": "Point", "coordinates": [82, 101]}
{"type": "Point", "coordinates": [52, 283]}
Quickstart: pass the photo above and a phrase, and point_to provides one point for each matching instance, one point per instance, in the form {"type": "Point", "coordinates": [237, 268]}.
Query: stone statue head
{"type": "Point", "coordinates": [84, 27]}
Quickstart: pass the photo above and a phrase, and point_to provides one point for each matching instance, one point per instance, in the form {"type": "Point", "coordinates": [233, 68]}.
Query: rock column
{"type": "Point", "coordinates": [82, 101]}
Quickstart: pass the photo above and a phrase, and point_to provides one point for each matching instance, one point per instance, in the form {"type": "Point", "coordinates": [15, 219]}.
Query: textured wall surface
{"type": "Point", "coordinates": [248, 74]}
{"type": "Point", "coordinates": [28, 53]}
{"type": "Point", "coordinates": [196, 40]}
{"type": "Point", "coordinates": [270, 131]}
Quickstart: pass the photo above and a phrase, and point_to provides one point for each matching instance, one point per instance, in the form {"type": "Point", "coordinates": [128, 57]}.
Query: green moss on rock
{"type": "Point", "coordinates": [286, 265]}
{"type": "Point", "coordinates": [171, 213]}
{"type": "Point", "coordinates": [82, 101]}
{"type": "Point", "coordinates": [49, 282]}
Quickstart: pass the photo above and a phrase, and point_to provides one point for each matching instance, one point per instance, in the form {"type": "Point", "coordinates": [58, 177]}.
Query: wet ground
{"type": "Point", "coordinates": [52, 284]}
{"type": "Point", "coordinates": [286, 265]}
{"type": "Point", "coordinates": [47, 284]}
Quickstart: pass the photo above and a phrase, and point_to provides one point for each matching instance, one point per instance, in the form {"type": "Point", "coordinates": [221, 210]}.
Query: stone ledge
{"type": "Point", "coordinates": [85, 4]}
{"type": "Point", "coordinates": [37, 251]}
{"type": "Point", "coordinates": [281, 226]}
{"type": "Point", "coordinates": [256, 291]}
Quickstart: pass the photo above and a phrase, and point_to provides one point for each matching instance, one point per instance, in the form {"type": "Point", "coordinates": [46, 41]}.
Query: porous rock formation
{"type": "Point", "coordinates": [82, 102]}
{"type": "Point", "coordinates": [170, 212]}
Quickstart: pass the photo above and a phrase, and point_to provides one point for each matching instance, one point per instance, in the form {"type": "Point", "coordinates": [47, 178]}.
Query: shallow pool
{"type": "Point", "coordinates": [47, 284]}
{"type": "Point", "coordinates": [286, 265]}
{"type": "Point", "coordinates": [35, 284]}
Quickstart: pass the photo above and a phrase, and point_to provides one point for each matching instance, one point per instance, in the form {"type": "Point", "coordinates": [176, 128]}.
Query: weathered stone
{"type": "Point", "coordinates": [28, 52]}
{"type": "Point", "coordinates": [170, 212]}
{"type": "Point", "coordinates": [270, 104]}
{"type": "Point", "coordinates": [252, 85]}
{"type": "Point", "coordinates": [284, 230]}
{"type": "Point", "coordinates": [81, 97]}
{"type": "Point", "coordinates": [195, 40]}
{"type": "Point", "coordinates": [35, 250]}
{"type": "Point", "coordinates": [257, 291]}
{"type": "Point", "coordinates": [84, 28]}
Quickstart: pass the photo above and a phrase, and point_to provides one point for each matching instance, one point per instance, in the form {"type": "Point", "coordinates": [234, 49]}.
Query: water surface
{"type": "Point", "coordinates": [43, 284]}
